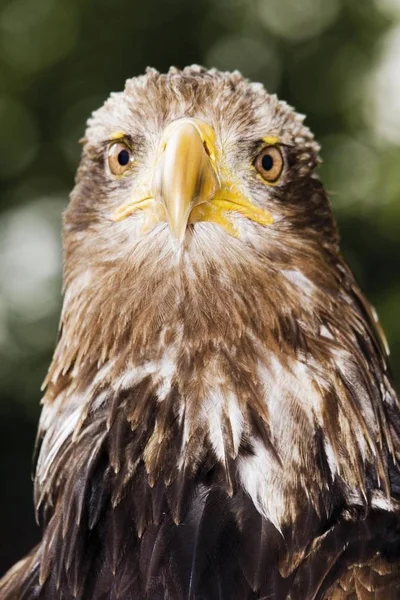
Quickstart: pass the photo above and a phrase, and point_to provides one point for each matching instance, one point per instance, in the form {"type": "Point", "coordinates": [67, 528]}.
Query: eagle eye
{"type": "Point", "coordinates": [269, 163]}
{"type": "Point", "coordinates": [120, 158]}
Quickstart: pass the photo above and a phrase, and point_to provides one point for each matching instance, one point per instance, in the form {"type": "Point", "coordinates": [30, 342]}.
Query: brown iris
{"type": "Point", "coordinates": [120, 158]}
{"type": "Point", "coordinates": [269, 163]}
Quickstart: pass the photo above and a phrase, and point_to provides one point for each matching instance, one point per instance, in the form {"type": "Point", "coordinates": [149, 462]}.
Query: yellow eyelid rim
{"type": "Point", "coordinates": [118, 135]}
{"type": "Point", "coordinates": [271, 140]}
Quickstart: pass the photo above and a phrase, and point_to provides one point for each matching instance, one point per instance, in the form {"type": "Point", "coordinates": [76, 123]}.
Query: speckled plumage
{"type": "Point", "coordinates": [218, 423]}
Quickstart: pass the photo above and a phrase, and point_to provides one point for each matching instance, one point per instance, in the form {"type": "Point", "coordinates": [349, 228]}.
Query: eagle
{"type": "Point", "coordinates": [219, 421]}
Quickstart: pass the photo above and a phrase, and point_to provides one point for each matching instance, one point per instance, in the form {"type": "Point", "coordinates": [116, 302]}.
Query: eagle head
{"type": "Point", "coordinates": [196, 207]}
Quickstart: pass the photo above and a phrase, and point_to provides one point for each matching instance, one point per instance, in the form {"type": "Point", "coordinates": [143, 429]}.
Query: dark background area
{"type": "Point", "coordinates": [337, 61]}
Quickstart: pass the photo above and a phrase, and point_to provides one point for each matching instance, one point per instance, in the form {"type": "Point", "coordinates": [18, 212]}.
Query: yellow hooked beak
{"type": "Point", "coordinates": [186, 187]}
{"type": "Point", "coordinates": [184, 176]}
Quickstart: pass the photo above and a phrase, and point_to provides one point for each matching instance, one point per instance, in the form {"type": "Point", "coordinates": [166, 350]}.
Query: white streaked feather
{"type": "Point", "coordinates": [236, 419]}
{"type": "Point", "coordinates": [259, 475]}
{"type": "Point", "coordinates": [55, 437]}
{"type": "Point", "coordinates": [212, 414]}
{"type": "Point", "coordinates": [299, 279]}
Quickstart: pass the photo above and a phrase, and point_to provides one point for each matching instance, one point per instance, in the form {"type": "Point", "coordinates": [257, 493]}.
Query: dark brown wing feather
{"type": "Point", "coordinates": [22, 581]}
{"type": "Point", "coordinates": [376, 580]}
{"type": "Point", "coordinates": [222, 549]}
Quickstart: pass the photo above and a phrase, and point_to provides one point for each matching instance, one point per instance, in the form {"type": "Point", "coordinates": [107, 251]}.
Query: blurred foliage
{"type": "Point", "coordinates": [334, 60]}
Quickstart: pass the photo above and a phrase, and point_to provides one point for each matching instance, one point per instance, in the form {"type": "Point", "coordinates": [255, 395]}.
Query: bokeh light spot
{"type": "Point", "coordinates": [389, 7]}
{"type": "Point", "coordinates": [298, 20]}
{"type": "Point", "coordinates": [383, 92]}
{"type": "Point", "coordinates": [350, 173]}
{"type": "Point", "coordinates": [30, 258]}
{"type": "Point", "coordinates": [253, 58]}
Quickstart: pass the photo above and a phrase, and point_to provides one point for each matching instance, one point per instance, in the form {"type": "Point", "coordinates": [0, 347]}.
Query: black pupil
{"type": "Point", "coordinates": [123, 157]}
{"type": "Point", "coordinates": [267, 162]}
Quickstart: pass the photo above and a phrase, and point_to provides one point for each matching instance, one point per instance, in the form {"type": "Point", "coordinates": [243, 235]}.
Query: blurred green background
{"type": "Point", "coordinates": [337, 61]}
